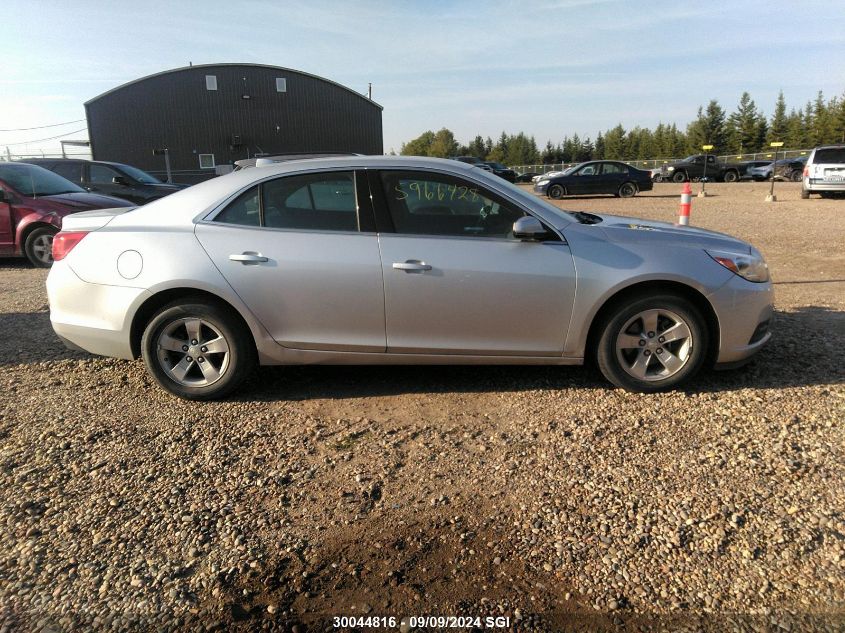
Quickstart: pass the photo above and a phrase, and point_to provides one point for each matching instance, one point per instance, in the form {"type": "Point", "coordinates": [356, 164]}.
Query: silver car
{"type": "Point", "coordinates": [825, 172]}
{"type": "Point", "coordinates": [397, 260]}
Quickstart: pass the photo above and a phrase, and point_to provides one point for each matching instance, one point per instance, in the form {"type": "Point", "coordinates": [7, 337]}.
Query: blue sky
{"type": "Point", "coordinates": [548, 68]}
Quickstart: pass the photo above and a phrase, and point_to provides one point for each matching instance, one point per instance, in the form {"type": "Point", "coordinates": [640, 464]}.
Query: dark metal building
{"type": "Point", "coordinates": [212, 115]}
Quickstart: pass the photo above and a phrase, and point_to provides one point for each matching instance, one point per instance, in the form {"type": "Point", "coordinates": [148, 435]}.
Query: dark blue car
{"type": "Point", "coordinates": [596, 177]}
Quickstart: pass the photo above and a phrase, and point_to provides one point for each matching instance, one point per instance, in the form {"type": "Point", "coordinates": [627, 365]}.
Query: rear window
{"type": "Point", "coordinates": [830, 155]}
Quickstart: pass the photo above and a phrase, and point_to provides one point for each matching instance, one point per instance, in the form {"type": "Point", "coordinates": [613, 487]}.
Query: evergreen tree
{"type": "Point", "coordinates": [746, 128]}
{"type": "Point", "coordinates": [476, 148]}
{"type": "Point", "coordinates": [796, 134]}
{"type": "Point", "coordinates": [443, 145]}
{"type": "Point", "coordinates": [777, 128]}
{"type": "Point", "coordinates": [708, 129]}
{"type": "Point", "coordinates": [598, 152]}
{"type": "Point", "coordinates": [614, 143]}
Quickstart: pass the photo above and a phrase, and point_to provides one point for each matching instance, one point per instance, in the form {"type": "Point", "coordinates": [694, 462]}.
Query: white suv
{"type": "Point", "coordinates": [825, 172]}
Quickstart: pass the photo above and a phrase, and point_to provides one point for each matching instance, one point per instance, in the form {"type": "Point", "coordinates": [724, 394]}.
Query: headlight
{"type": "Point", "coordinates": [748, 266]}
{"type": "Point", "coordinates": [670, 169]}
{"type": "Point", "coordinates": [542, 182]}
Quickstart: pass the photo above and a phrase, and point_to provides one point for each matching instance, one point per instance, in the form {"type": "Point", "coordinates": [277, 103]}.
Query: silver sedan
{"type": "Point", "coordinates": [395, 260]}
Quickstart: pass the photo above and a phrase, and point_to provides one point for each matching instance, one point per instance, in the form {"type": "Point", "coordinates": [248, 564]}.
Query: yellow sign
{"type": "Point", "coordinates": [706, 147]}
{"type": "Point", "coordinates": [777, 144]}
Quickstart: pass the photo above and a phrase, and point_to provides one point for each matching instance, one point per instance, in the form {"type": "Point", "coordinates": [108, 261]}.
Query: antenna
{"type": "Point", "coordinates": [370, 91]}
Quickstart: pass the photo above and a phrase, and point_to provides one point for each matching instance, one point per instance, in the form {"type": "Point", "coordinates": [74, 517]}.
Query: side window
{"type": "Point", "coordinates": [612, 168]}
{"type": "Point", "coordinates": [242, 210]}
{"type": "Point", "coordinates": [432, 204]}
{"type": "Point", "coordinates": [589, 170]}
{"type": "Point", "coordinates": [311, 202]}
{"type": "Point", "coordinates": [101, 175]}
{"type": "Point", "coordinates": [71, 171]}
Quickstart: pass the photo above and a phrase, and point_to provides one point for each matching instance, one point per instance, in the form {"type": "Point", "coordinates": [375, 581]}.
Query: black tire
{"type": "Point", "coordinates": [627, 190]}
{"type": "Point", "coordinates": [233, 366]}
{"type": "Point", "coordinates": [679, 176]}
{"type": "Point", "coordinates": [622, 324]}
{"type": "Point", "coordinates": [38, 246]}
{"type": "Point", "coordinates": [657, 178]}
{"type": "Point", "coordinates": [730, 176]}
{"type": "Point", "coordinates": [796, 176]}
{"type": "Point", "coordinates": [556, 192]}
{"type": "Point", "coordinates": [805, 194]}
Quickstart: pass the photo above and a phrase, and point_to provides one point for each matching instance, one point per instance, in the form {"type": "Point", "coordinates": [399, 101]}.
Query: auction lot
{"type": "Point", "coordinates": [538, 494]}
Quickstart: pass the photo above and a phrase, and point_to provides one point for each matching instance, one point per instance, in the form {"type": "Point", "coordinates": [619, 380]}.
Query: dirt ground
{"type": "Point", "coordinates": [540, 495]}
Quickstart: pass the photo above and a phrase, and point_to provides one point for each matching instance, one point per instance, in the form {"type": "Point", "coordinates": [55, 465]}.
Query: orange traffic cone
{"type": "Point", "coordinates": [686, 203]}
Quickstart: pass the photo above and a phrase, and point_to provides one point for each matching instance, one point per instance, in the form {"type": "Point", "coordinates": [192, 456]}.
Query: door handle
{"type": "Point", "coordinates": [248, 258]}
{"type": "Point", "coordinates": [411, 266]}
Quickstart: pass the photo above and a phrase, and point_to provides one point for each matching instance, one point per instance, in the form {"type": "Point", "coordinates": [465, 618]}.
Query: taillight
{"type": "Point", "coordinates": [806, 171]}
{"type": "Point", "coordinates": [63, 243]}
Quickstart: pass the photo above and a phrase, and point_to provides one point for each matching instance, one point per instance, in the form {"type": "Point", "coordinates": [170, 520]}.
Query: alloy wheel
{"type": "Point", "coordinates": [654, 345]}
{"type": "Point", "coordinates": [192, 352]}
{"type": "Point", "coordinates": [42, 248]}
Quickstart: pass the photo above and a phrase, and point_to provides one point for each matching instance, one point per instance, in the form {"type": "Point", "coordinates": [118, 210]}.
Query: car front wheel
{"type": "Point", "coordinates": [556, 192]}
{"type": "Point", "coordinates": [38, 247]}
{"type": "Point", "coordinates": [197, 350]}
{"type": "Point", "coordinates": [652, 343]}
{"type": "Point", "coordinates": [679, 176]}
{"type": "Point", "coordinates": [731, 176]}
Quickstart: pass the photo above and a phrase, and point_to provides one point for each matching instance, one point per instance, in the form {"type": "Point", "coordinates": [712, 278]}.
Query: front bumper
{"type": "Point", "coordinates": [92, 317]}
{"type": "Point", "coordinates": [541, 189]}
{"type": "Point", "coordinates": [744, 310]}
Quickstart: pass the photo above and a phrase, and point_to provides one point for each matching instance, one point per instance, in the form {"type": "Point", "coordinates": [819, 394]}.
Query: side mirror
{"type": "Point", "coordinates": [120, 180]}
{"type": "Point", "coordinates": [529, 228]}
{"type": "Point", "coordinates": [3, 196]}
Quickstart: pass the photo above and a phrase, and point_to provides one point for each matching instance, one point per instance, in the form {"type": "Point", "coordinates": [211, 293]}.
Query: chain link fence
{"type": "Point", "coordinates": [657, 162]}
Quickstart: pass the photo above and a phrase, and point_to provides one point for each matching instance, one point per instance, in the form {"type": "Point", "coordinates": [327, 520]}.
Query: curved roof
{"type": "Point", "coordinates": [207, 66]}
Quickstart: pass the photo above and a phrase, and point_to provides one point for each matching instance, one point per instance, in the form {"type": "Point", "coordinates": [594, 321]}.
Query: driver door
{"type": "Point", "coordinates": [7, 235]}
{"type": "Point", "coordinates": [585, 181]}
{"type": "Point", "coordinates": [455, 279]}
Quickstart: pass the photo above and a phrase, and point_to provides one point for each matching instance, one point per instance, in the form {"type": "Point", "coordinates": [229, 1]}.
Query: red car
{"type": "Point", "coordinates": [33, 202]}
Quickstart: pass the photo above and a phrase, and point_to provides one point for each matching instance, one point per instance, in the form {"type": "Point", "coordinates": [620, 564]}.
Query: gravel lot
{"type": "Point", "coordinates": [536, 493]}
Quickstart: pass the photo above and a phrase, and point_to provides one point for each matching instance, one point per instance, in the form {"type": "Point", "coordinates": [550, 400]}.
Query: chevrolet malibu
{"type": "Point", "coordinates": [398, 260]}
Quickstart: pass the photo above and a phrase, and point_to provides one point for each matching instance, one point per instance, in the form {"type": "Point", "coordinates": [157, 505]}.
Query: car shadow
{"type": "Point", "coordinates": [782, 363]}
{"type": "Point", "coordinates": [805, 350]}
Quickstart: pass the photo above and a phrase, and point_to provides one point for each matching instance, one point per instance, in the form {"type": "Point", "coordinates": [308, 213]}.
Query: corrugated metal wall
{"type": "Point", "coordinates": [175, 110]}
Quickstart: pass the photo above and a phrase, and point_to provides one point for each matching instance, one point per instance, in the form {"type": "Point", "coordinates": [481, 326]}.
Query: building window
{"type": "Point", "coordinates": [206, 161]}
{"type": "Point", "coordinates": [281, 84]}
{"type": "Point", "coordinates": [211, 82]}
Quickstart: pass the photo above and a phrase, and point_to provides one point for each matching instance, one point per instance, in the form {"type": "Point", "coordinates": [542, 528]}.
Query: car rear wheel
{"type": "Point", "coordinates": [627, 190]}
{"type": "Point", "coordinates": [556, 192]}
{"type": "Point", "coordinates": [796, 176]}
{"type": "Point", "coordinates": [679, 176]}
{"type": "Point", "coordinates": [197, 350]}
{"type": "Point", "coordinates": [652, 343]}
{"type": "Point", "coordinates": [731, 176]}
{"type": "Point", "coordinates": [38, 246]}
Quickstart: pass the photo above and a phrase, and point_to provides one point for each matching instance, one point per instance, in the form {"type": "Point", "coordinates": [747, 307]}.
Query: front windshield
{"type": "Point", "coordinates": [140, 175]}
{"type": "Point", "coordinates": [689, 159]}
{"type": "Point", "coordinates": [497, 165]}
{"type": "Point", "coordinates": [569, 170]}
{"type": "Point", "coordinates": [33, 181]}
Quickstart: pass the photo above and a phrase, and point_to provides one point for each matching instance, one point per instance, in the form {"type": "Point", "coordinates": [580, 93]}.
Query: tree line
{"type": "Point", "coordinates": [743, 131]}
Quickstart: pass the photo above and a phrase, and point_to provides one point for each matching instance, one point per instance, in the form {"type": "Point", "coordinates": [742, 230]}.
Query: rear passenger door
{"type": "Point", "coordinates": [71, 171]}
{"type": "Point", "coordinates": [612, 175]}
{"type": "Point", "coordinates": [302, 254]}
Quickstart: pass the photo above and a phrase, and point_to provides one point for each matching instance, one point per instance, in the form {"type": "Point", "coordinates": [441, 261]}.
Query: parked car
{"type": "Point", "coordinates": [472, 160]}
{"type": "Point", "coordinates": [656, 174]}
{"type": "Point", "coordinates": [527, 176]}
{"type": "Point", "coordinates": [784, 169]}
{"type": "Point", "coordinates": [501, 171]}
{"type": "Point", "coordinates": [398, 260]}
{"type": "Point", "coordinates": [747, 166]}
{"type": "Point", "coordinates": [33, 202]}
{"type": "Point", "coordinates": [594, 177]}
{"type": "Point", "coordinates": [110, 179]}
{"type": "Point", "coordinates": [700, 166]}
{"type": "Point", "coordinates": [824, 173]}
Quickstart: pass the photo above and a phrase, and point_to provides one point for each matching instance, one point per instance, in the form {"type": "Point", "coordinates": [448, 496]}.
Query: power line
{"type": "Point", "coordinates": [50, 138]}
{"type": "Point", "coordinates": [40, 127]}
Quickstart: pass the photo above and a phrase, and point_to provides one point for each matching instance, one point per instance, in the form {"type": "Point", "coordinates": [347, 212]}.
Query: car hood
{"type": "Point", "coordinates": [73, 202]}
{"type": "Point", "coordinates": [622, 229]}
